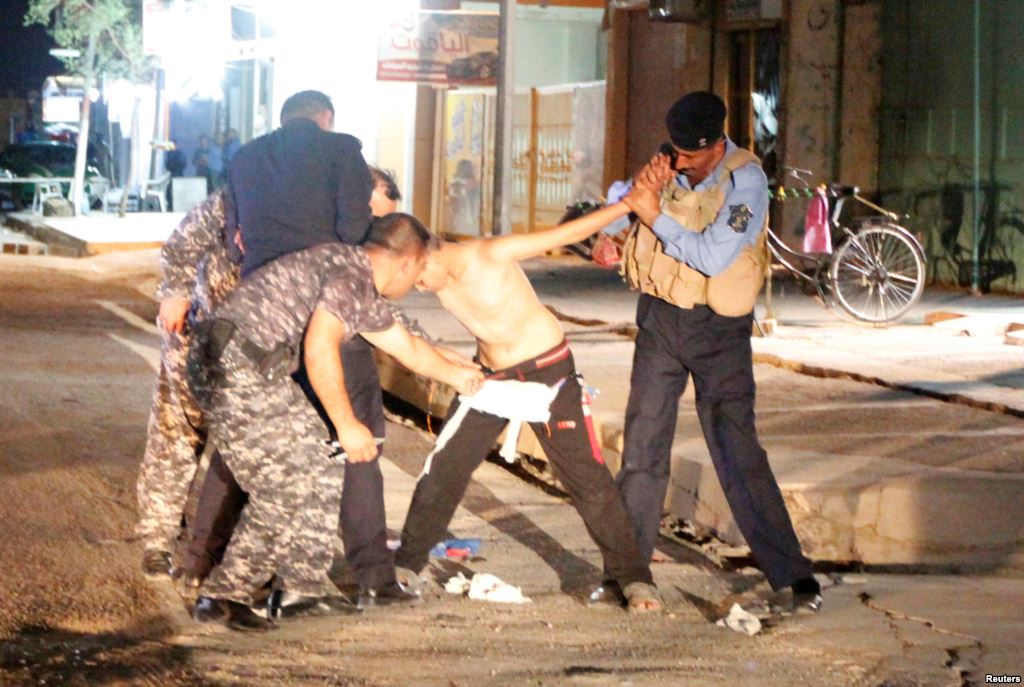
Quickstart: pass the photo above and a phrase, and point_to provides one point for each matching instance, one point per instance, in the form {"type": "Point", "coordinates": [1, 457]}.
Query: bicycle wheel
{"type": "Point", "coordinates": [877, 273]}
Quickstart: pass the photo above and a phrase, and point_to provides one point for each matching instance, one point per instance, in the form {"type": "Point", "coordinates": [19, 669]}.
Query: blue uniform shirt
{"type": "Point", "coordinates": [737, 225]}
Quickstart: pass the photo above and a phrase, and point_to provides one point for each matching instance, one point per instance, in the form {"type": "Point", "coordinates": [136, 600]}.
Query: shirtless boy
{"type": "Point", "coordinates": [482, 284]}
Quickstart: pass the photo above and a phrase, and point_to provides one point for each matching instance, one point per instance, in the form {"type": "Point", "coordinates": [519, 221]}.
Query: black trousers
{"type": "Point", "coordinates": [573, 453]}
{"type": "Point", "coordinates": [363, 522]}
{"type": "Point", "coordinates": [672, 345]}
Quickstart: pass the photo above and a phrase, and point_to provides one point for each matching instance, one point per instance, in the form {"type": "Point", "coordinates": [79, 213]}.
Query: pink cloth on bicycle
{"type": "Point", "coordinates": [817, 237]}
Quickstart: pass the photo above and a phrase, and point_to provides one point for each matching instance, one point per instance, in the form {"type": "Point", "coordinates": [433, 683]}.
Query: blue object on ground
{"type": "Point", "coordinates": [440, 550]}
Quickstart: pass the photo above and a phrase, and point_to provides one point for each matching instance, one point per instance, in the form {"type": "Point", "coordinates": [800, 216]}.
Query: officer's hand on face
{"type": "Point", "coordinates": [357, 442]}
{"type": "Point", "coordinates": [655, 174]}
{"type": "Point", "coordinates": [466, 381]}
{"type": "Point", "coordinates": [645, 203]}
{"type": "Point", "coordinates": [172, 313]}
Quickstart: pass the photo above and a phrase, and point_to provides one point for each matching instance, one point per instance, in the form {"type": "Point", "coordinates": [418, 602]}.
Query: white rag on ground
{"type": "Point", "coordinates": [517, 401]}
{"type": "Point", "coordinates": [740, 620]}
{"type": "Point", "coordinates": [486, 587]}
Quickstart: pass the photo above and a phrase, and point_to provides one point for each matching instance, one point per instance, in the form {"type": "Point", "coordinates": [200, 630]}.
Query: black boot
{"type": "Point", "coordinates": [806, 595]}
{"type": "Point", "coordinates": [385, 595]}
{"type": "Point", "coordinates": [232, 614]}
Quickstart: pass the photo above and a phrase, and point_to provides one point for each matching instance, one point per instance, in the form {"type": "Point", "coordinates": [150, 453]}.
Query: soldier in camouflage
{"type": "Point", "coordinates": [197, 275]}
{"type": "Point", "coordinates": [272, 440]}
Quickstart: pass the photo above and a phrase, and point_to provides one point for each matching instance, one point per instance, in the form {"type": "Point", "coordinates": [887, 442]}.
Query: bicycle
{"type": "Point", "coordinates": [877, 271]}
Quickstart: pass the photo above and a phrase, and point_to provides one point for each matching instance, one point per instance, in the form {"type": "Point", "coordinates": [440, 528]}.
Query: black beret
{"type": "Point", "coordinates": [696, 120]}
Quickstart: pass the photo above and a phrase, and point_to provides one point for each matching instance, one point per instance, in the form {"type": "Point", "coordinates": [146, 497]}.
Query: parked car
{"type": "Point", "coordinates": [41, 159]}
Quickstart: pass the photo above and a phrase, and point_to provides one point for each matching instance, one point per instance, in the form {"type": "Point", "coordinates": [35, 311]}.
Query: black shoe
{"type": "Point", "coordinates": [232, 614]}
{"type": "Point", "coordinates": [390, 593]}
{"type": "Point", "coordinates": [157, 563]}
{"type": "Point", "coordinates": [608, 592]}
{"type": "Point", "coordinates": [294, 606]}
{"type": "Point", "coordinates": [807, 596]}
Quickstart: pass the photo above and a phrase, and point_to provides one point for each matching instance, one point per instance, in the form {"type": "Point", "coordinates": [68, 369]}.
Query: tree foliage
{"type": "Point", "coordinates": [114, 25]}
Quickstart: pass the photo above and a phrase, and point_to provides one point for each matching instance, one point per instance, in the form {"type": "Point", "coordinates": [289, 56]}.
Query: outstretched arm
{"type": "Point", "coordinates": [521, 246]}
{"type": "Point", "coordinates": [422, 358]}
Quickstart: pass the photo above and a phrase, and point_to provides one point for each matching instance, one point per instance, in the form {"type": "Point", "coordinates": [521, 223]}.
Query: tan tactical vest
{"type": "Point", "coordinates": [731, 292]}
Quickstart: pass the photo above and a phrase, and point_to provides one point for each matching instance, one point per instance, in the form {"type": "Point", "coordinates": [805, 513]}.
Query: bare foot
{"type": "Point", "coordinates": [642, 597]}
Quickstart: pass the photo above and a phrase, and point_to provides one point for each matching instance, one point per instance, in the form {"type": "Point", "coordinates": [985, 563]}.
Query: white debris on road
{"type": "Point", "coordinates": [740, 620]}
{"type": "Point", "coordinates": [486, 587]}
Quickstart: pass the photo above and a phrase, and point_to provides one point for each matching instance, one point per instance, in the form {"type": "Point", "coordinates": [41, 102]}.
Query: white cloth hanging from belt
{"type": "Point", "coordinates": [516, 401]}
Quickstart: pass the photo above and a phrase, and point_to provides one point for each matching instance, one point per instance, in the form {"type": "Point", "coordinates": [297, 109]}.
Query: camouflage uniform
{"type": "Point", "coordinates": [195, 265]}
{"type": "Point", "coordinates": [267, 433]}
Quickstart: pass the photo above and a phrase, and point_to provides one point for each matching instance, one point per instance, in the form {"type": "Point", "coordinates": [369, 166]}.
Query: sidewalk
{"type": "Point", "coordinates": [97, 233]}
{"type": "Point", "coordinates": [868, 510]}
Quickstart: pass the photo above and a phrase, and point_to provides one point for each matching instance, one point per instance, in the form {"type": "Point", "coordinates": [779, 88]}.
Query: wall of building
{"type": "Point", "coordinates": [809, 112]}
{"type": "Point", "coordinates": [927, 134]}
{"type": "Point", "coordinates": [666, 60]}
{"type": "Point", "coordinates": [860, 96]}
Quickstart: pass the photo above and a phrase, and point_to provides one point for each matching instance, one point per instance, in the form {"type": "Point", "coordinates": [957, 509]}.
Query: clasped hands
{"type": "Point", "coordinates": [644, 198]}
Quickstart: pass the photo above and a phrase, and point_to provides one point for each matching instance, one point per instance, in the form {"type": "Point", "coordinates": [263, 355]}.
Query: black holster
{"type": "Point", "coordinates": [203, 369]}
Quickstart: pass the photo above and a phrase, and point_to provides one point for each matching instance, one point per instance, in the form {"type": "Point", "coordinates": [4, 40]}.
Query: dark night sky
{"type": "Point", "coordinates": [24, 51]}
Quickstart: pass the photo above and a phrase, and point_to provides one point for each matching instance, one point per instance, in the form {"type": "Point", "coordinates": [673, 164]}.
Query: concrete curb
{"type": "Point", "coordinates": [847, 515]}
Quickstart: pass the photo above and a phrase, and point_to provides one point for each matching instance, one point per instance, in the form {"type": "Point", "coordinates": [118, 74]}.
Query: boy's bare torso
{"type": "Point", "coordinates": [497, 304]}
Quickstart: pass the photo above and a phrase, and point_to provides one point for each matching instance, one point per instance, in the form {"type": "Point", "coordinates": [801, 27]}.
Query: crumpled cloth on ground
{"type": "Point", "coordinates": [456, 548]}
{"type": "Point", "coordinates": [517, 401]}
{"type": "Point", "coordinates": [486, 587]}
{"type": "Point", "coordinates": [740, 620]}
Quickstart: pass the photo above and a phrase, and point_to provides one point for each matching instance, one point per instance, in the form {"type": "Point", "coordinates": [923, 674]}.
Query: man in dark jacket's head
{"type": "Point", "coordinates": [310, 105]}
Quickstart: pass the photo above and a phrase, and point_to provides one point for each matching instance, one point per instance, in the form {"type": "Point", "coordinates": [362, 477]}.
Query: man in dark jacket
{"type": "Point", "coordinates": [290, 190]}
{"type": "Point", "coordinates": [299, 186]}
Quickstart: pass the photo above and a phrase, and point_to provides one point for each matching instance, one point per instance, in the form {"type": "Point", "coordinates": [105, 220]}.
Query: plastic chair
{"type": "Point", "coordinates": [97, 189]}
{"type": "Point", "coordinates": [44, 191]}
{"type": "Point", "coordinates": [156, 189]}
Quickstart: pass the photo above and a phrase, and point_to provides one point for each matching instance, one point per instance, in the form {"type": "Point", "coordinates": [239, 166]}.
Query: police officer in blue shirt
{"type": "Point", "coordinates": [697, 254]}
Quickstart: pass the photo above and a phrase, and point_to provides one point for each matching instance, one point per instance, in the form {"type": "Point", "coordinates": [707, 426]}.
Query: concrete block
{"type": "Point", "coordinates": [57, 207]}
{"type": "Point", "coordinates": [1014, 334]}
{"type": "Point", "coordinates": [187, 192]}
{"type": "Point", "coordinates": [928, 516]}
{"type": "Point", "coordinates": [976, 325]}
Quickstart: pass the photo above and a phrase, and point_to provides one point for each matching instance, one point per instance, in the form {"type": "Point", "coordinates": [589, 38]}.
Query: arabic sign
{"type": "Point", "coordinates": [444, 48]}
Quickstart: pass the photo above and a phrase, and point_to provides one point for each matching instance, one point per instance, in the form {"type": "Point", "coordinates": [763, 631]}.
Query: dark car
{"type": "Point", "coordinates": [478, 68]}
{"type": "Point", "coordinates": [41, 159]}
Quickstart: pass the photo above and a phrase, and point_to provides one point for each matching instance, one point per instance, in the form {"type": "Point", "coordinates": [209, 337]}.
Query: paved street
{"type": "Point", "coordinates": [76, 371]}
